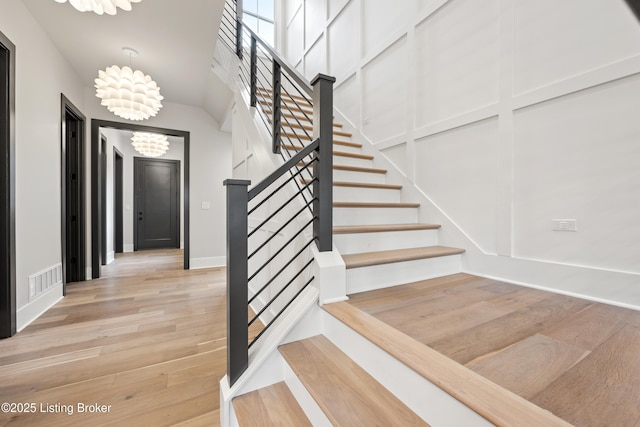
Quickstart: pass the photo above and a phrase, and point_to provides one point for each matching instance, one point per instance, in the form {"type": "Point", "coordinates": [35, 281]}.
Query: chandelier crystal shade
{"type": "Point", "coordinates": [101, 6]}
{"type": "Point", "coordinates": [150, 144]}
{"type": "Point", "coordinates": [129, 94]}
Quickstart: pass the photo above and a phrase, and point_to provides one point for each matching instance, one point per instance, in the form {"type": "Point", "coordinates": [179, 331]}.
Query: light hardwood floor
{"type": "Point", "coordinates": [148, 339]}
{"type": "Point", "coordinates": [576, 358]}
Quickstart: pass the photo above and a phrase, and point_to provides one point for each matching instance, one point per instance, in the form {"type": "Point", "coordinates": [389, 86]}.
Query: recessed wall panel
{"type": "Point", "coordinates": [344, 41]}
{"type": "Point", "coordinates": [458, 170]}
{"type": "Point", "coordinates": [315, 15]}
{"type": "Point", "coordinates": [398, 156]}
{"type": "Point", "coordinates": [295, 38]}
{"type": "Point", "coordinates": [457, 60]}
{"type": "Point", "coordinates": [347, 99]}
{"type": "Point", "coordinates": [385, 92]}
{"type": "Point", "coordinates": [577, 157]}
{"type": "Point", "coordinates": [316, 60]}
{"type": "Point", "coordinates": [555, 40]}
{"type": "Point", "coordinates": [336, 5]}
{"type": "Point", "coordinates": [381, 20]}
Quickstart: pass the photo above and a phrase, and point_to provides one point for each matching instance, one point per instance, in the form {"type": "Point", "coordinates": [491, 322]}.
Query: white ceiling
{"type": "Point", "coordinates": [175, 40]}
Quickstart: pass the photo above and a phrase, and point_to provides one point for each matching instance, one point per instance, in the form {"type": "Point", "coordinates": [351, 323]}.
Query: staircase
{"type": "Point", "coordinates": [382, 244]}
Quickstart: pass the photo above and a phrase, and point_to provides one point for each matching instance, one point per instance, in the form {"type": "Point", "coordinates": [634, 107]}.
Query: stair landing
{"type": "Point", "coordinates": [516, 355]}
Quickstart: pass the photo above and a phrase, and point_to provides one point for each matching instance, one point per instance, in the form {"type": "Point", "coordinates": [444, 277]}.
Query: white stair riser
{"type": "Point", "coordinates": [342, 175]}
{"type": "Point", "coordinates": [372, 242]}
{"type": "Point", "coordinates": [383, 276]}
{"type": "Point", "coordinates": [364, 194]}
{"type": "Point", "coordinates": [351, 161]}
{"type": "Point", "coordinates": [373, 216]}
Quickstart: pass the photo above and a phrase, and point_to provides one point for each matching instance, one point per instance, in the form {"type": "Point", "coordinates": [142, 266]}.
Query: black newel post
{"type": "Point", "coordinates": [237, 286]}
{"type": "Point", "coordinates": [254, 72]}
{"type": "Point", "coordinates": [277, 106]}
{"type": "Point", "coordinates": [239, 29]}
{"type": "Point", "coordinates": [323, 171]}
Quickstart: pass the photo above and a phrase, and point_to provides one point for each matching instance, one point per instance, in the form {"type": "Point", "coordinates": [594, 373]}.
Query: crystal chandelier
{"type": "Point", "coordinates": [150, 144]}
{"type": "Point", "coordinates": [101, 6]}
{"type": "Point", "coordinates": [129, 94]}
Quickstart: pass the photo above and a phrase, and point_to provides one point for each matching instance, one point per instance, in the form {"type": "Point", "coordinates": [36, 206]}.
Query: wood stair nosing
{"type": "Point", "coordinates": [305, 137]}
{"type": "Point", "coordinates": [268, 406]}
{"type": "Point", "coordinates": [338, 153]}
{"type": "Point", "coordinates": [383, 228]}
{"type": "Point", "coordinates": [360, 185]}
{"type": "Point", "coordinates": [373, 205]}
{"type": "Point", "coordinates": [369, 259]}
{"type": "Point", "coordinates": [345, 392]}
{"type": "Point", "coordinates": [350, 168]}
{"type": "Point", "coordinates": [310, 128]}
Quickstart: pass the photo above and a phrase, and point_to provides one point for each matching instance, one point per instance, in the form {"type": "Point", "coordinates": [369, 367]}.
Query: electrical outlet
{"type": "Point", "coordinates": [565, 225]}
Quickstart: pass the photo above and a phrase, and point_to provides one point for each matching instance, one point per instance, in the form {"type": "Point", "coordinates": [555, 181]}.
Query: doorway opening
{"type": "Point", "coordinates": [118, 201]}
{"type": "Point", "coordinates": [7, 189]}
{"type": "Point", "coordinates": [100, 232]}
{"type": "Point", "coordinates": [73, 194]}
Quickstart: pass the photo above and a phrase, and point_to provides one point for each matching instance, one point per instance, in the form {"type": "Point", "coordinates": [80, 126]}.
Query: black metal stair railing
{"type": "Point", "coordinates": [272, 225]}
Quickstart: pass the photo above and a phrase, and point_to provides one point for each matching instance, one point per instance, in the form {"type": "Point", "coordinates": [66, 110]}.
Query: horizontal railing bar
{"type": "Point", "coordinates": [293, 114]}
{"type": "Point", "coordinates": [284, 288]}
{"type": "Point", "coordinates": [272, 215]}
{"type": "Point", "coordinates": [293, 258]}
{"type": "Point", "coordinates": [281, 311]}
{"type": "Point", "coordinates": [306, 96]}
{"type": "Point", "coordinates": [292, 162]}
{"type": "Point", "coordinates": [295, 74]}
{"type": "Point", "coordinates": [306, 166]}
{"type": "Point", "coordinates": [282, 227]}
{"type": "Point", "coordinates": [286, 119]}
{"type": "Point", "coordinates": [280, 251]}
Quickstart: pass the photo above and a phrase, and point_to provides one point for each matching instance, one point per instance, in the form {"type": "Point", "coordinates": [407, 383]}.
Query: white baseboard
{"type": "Point", "coordinates": [196, 263]}
{"type": "Point", "coordinates": [111, 256]}
{"type": "Point", "coordinates": [31, 311]}
{"type": "Point", "coordinates": [127, 247]}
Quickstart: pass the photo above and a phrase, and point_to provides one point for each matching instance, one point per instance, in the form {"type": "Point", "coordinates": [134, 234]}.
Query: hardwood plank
{"type": "Point", "coordinates": [375, 205]}
{"type": "Point", "coordinates": [532, 364]}
{"type": "Point", "coordinates": [504, 331]}
{"type": "Point", "coordinates": [603, 388]}
{"type": "Point", "coordinates": [353, 229]}
{"type": "Point", "coordinates": [345, 392]}
{"type": "Point", "coordinates": [148, 339]}
{"type": "Point", "coordinates": [495, 403]}
{"type": "Point", "coordinates": [270, 406]}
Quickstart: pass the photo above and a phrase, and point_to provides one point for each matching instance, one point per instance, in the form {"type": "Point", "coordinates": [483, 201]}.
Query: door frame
{"type": "Point", "coordinates": [118, 201]}
{"type": "Point", "coordinates": [96, 190]}
{"type": "Point", "coordinates": [103, 198]}
{"type": "Point", "coordinates": [8, 322]}
{"type": "Point", "coordinates": [136, 164]}
{"type": "Point", "coordinates": [68, 109]}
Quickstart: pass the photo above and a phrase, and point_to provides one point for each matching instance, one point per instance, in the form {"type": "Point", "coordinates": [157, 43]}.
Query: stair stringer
{"type": "Point", "coordinates": [579, 281]}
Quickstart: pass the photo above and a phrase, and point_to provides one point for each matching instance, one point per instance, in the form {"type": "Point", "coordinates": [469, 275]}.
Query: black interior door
{"type": "Point", "coordinates": [156, 203]}
{"type": "Point", "coordinates": [118, 196]}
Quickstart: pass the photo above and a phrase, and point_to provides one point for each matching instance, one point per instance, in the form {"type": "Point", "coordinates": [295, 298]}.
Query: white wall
{"type": "Point", "coordinates": [42, 74]}
{"type": "Point", "coordinates": [504, 114]}
{"type": "Point", "coordinates": [210, 165]}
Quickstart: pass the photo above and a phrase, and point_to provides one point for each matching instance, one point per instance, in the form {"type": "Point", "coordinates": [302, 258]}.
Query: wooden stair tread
{"type": "Point", "coordinates": [269, 406]}
{"type": "Point", "coordinates": [497, 404]}
{"type": "Point", "coordinates": [350, 168]}
{"type": "Point", "coordinates": [375, 205]}
{"type": "Point", "coordinates": [361, 185]}
{"type": "Point", "coordinates": [347, 394]}
{"type": "Point", "coordinates": [335, 152]}
{"type": "Point", "coordinates": [305, 137]}
{"type": "Point", "coordinates": [354, 229]}
{"type": "Point", "coordinates": [310, 128]}
{"type": "Point", "coordinates": [367, 259]}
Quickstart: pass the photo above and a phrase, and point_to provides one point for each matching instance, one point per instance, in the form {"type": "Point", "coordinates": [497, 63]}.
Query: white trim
{"type": "Point", "coordinates": [127, 247]}
{"type": "Point", "coordinates": [210, 262]}
{"type": "Point", "coordinates": [111, 256]}
{"type": "Point", "coordinates": [36, 308]}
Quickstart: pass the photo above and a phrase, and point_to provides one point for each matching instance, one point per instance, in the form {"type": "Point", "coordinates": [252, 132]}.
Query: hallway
{"type": "Point", "coordinates": [143, 345]}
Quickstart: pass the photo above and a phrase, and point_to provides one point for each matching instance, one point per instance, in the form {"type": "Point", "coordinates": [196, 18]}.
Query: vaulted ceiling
{"type": "Point", "coordinates": [175, 40]}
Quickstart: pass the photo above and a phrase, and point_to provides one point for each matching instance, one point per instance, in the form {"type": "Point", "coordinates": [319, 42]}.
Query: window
{"type": "Point", "coordinates": [259, 16]}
